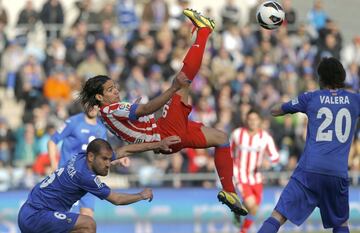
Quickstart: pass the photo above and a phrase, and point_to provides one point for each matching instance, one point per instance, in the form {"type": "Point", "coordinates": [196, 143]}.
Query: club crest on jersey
{"type": "Point", "coordinates": [295, 101]}
{"type": "Point", "coordinates": [98, 182]}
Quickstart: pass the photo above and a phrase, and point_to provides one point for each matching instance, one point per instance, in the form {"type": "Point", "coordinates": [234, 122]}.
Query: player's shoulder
{"type": "Point", "coordinates": [76, 118]}
{"type": "Point", "coordinates": [118, 106]}
{"type": "Point", "coordinates": [237, 130]}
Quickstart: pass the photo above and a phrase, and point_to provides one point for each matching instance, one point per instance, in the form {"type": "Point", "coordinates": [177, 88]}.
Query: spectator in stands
{"type": "Point", "coordinates": [156, 12]}
{"type": "Point", "coordinates": [57, 87]}
{"type": "Point", "coordinates": [90, 66]}
{"type": "Point", "coordinates": [108, 12]}
{"type": "Point", "coordinates": [86, 13]}
{"type": "Point", "coordinates": [230, 14]}
{"type": "Point", "coordinates": [28, 16]}
{"type": "Point", "coordinates": [7, 140]}
{"type": "Point", "coordinates": [52, 16]}
{"type": "Point", "coordinates": [290, 16]}
{"type": "Point", "coordinates": [126, 14]}
{"type": "Point", "coordinates": [317, 16]}
{"type": "Point", "coordinates": [351, 52]}
{"type": "Point", "coordinates": [25, 147]}
{"type": "Point", "coordinates": [3, 14]}
{"type": "Point", "coordinates": [12, 59]}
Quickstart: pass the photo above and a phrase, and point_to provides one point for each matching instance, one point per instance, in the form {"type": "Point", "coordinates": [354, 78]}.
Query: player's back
{"type": "Point", "coordinates": [60, 190]}
{"type": "Point", "coordinates": [332, 116]}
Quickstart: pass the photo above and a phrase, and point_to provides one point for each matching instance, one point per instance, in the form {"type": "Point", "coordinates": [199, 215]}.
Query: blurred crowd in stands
{"type": "Point", "coordinates": [244, 67]}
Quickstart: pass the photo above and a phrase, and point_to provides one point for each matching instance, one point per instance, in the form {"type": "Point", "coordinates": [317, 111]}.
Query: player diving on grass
{"type": "Point", "coordinates": [321, 177]}
{"type": "Point", "coordinates": [135, 123]}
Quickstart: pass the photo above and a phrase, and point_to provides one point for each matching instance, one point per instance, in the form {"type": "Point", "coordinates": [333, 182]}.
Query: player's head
{"type": "Point", "coordinates": [253, 120]}
{"type": "Point", "coordinates": [99, 90]}
{"type": "Point", "coordinates": [99, 154]}
{"type": "Point", "coordinates": [92, 112]}
{"type": "Point", "coordinates": [331, 73]}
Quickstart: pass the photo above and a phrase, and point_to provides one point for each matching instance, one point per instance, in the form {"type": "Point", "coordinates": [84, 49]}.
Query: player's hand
{"type": "Point", "coordinates": [166, 143]}
{"type": "Point", "coordinates": [147, 194]}
{"type": "Point", "coordinates": [181, 81]}
{"type": "Point", "coordinates": [125, 161]}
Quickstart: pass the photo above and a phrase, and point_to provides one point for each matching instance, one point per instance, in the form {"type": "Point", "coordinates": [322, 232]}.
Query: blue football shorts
{"type": "Point", "coordinates": [32, 220]}
{"type": "Point", "coordinates": [307, 190]}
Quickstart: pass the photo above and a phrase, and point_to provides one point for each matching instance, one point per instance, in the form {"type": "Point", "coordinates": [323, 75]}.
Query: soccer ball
{"type": "Point", "coordinates": [270, 15]}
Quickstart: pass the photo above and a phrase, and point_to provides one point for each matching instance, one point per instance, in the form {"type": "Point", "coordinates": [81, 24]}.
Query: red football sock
{"type": "Point", "coordinates": [193, 58]}
{"type": "Point", "coordinates": [224, 167]}
{"type": "Point", "coordinates": [246, 225]}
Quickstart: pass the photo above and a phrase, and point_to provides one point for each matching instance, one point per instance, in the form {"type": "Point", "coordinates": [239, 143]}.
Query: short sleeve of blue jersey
{"type": "Point", "coordinates": [132, 115]}
{"type": "Point", "coordinates": [64, 131]}
{"type": "Point", "coordinates": [298, 104]}
{"type": "Point", "coordinates": [93, 185]}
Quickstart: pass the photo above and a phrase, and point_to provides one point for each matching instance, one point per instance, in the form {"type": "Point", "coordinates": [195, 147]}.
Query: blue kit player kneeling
{"type": "Point", "coordinates": [47, 206]}
{"type": "Point", "coordinates": [321, 177]}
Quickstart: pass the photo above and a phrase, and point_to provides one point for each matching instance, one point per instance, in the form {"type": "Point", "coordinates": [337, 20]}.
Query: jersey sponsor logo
{"type": "Point", "coordinates": [295, 101]}
{"type": "Point", "coordinates": [124, 106]}
{"type": "Point", "coordinates": [98, 182]}
{"type": "Point", "coordinates": [84, 131]}
{"type": "Point", "coordinates": [334, 100]}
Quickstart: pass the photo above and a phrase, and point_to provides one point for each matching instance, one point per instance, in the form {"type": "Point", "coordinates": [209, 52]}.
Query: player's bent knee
{"type": "Point", "coordinates": [84, 224]}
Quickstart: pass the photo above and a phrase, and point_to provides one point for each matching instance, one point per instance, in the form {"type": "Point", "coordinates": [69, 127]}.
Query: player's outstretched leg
{"type": "Point", "coordinates": [224, 168]}
{"type": "Point", "coordinates": [193, 58]}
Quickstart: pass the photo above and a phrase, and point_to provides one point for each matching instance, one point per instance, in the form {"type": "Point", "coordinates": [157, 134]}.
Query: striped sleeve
{"type": "Point", "coordinates": [271, 149]}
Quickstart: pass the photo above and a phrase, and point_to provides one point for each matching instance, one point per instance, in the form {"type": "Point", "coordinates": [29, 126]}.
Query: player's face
{"type": "Point", "coordinates": [92, 113]}
{"type": "Point", "coordinates": [110, 94]}
{"type": "Point", "coordinates": [101, 162]}
{"type": "Point", "coordinates": [253, 122]}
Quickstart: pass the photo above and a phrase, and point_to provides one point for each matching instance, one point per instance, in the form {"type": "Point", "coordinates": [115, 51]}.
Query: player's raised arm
{"type": "Point", "coordinates": [126, 199]}
{"type": "Point", "coordinates": [163, 146]}
{"type": "Point", "coordinates": [155, 104]}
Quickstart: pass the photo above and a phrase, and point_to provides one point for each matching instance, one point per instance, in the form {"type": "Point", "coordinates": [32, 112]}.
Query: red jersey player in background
{"type": "Point", "coordinates": [248, 146]}
{"type": "Point", "coordinates": [135, 123]}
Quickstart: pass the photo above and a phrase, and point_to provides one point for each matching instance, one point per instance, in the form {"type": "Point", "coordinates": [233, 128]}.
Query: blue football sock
{"type": "Point", "coordinates": [341, 229]}
{"type": "Point", "coordinates": [271, 225]}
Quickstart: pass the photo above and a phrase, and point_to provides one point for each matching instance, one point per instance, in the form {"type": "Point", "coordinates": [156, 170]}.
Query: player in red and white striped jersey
{"type": "Point", "coordinates": [135, 123]}
{"type": "Point", "coordinates": [249, 144]}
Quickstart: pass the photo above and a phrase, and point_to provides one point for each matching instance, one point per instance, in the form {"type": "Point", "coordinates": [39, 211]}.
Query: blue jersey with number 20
{"type": "Point", "coordinates": [332, 116]}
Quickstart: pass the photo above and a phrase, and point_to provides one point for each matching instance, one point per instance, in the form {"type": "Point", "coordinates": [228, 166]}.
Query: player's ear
{"type": "Point", "coordinates": [91, 157]}
{"type": "Point", "coordinates": [99, 97]}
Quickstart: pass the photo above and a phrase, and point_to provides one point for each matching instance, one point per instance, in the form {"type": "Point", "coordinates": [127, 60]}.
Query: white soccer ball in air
{"type": "Point", "coordinates": [270, 15]}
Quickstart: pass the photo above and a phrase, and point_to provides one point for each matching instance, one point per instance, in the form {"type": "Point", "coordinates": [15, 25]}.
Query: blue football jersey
{"type": "Point", "coordinates": [332, 116]}
{"type": "Point", "coordinates": [76, 134]}
{"type": "Point", "coordinates": [60, 190]}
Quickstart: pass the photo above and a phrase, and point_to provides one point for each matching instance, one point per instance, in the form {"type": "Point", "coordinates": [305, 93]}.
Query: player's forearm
{"type": "Point", "coordinates": [52, 151]}
{"type": "Point", "coordinates": [137, 148]}
{"type": "Point", "coordinates": [156, 103]}
{"type": "Point", "coordinates": [276, 110]}
{"type": "Point", "coordinates": [126, 199]}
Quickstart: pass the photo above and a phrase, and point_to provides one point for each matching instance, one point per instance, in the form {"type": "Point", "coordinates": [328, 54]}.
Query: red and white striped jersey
{"type": "Point", "coordinates": [117, 118]}
{"type": "Point", "coordinates": [248, 151]}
